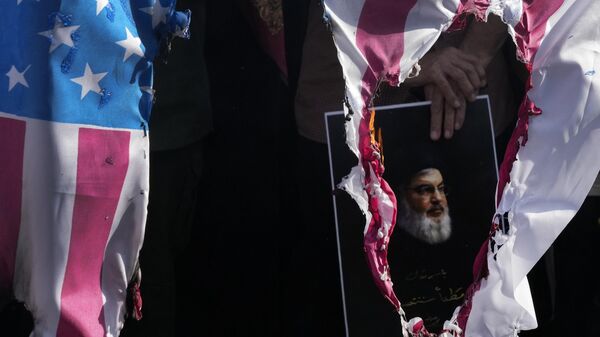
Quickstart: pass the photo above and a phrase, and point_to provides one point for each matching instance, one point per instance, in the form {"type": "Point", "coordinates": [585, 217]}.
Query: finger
{"type": "Point", "coordinates": [482, 75]}
{"type": "Point", "coordinates": [448, 121]}
{"type": "Point", "coordinates": [437, 105]}
{"type": "Point", "coordinates": [476, 63]}
{"type": "Point", "coordinates": [442, 83]}
{"type": "Point", "coordinates": [471, 73]}
{"type": "Point", "coordinates": [459, 117]}
{"type": "Point", "coordinates": [461, 81]}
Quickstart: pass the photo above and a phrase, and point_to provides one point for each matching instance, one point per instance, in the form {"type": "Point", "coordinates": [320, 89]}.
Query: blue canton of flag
{"type": "Point", "coordinates": [85, 62]}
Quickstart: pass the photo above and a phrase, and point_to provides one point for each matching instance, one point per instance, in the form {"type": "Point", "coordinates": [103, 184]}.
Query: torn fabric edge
{"type": "Point", "coordinates": [64, 197]}
{"type": "Point", "coordinates": [528, 24]}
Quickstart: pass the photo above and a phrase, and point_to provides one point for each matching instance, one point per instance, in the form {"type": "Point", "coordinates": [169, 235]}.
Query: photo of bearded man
{"type": "Point", "coordinates": [423, 210]}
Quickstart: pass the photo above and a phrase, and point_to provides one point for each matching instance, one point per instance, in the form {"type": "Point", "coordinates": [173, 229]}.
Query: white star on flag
{"type": "Point", "coordinates": [132, 45]}
{"type": "Point", "coordinates": [158, 12]}
{"type": "Point", "coordinates": [89, 81]}
{"type": "Point", "coordinates": [100, 5]}
{"type": "Point", "coordinates": [59, 35]}
{"type": "Point", "coordinates": [15, 77]}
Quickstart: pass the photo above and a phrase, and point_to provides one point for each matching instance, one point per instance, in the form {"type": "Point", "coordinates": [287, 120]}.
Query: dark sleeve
{"type": "Point", "coordinates": [295, 17]}
{"type": "Point", "coordinates": [182, 112]}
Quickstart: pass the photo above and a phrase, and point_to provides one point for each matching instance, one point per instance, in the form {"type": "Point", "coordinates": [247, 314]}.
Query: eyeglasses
{"type": "Point", "coordinates": [427, 190]}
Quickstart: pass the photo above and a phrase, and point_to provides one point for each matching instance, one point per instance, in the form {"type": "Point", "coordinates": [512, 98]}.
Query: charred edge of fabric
{"type": "Point", "coordinates": [346, 102]}
{"type": "Point", "coordinates": [144, 128]}
{"type": "Point", "coordinates": [519, 136]}
{"type": "Point", "coordinates": [390, 79]}
{"type": "Point", "coordinates": [184, 31]}
{"type": "Point", "coordinates": [504, 223]}
{"type": "Point", "coordinates": [164, 48]}
{"type": "Point", "coordinates": [176, 27]}
{"type": "Point", "coordinates": [134, 295]}
{"type": "Point", "coordinates": [326, 18]}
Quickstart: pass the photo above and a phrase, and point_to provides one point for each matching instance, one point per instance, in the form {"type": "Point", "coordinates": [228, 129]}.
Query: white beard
{"type": "Point", "coordinates": [423, 228]}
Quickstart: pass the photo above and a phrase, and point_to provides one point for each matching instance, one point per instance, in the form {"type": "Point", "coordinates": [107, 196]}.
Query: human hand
{"type": "Point", "coordinates": [444, 115]}
{"type": "Point", "coordinates": [450, 77]}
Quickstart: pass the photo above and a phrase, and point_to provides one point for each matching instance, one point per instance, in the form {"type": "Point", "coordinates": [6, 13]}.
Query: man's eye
{"type": "Point", "coordinates": [425, 189]}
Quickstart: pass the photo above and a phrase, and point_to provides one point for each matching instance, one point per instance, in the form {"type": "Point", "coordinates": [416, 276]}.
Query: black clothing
{"type": "Point", "coordinates": [182, 111]}
{"type": "Point", "coordinates": [180, 120]}
{"type": "Point", "coordinates": [168, 282]}
{"type": "Point", "coordinates": [248, 176]}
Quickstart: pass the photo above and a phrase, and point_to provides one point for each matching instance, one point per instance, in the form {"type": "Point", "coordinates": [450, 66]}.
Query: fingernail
{"type": "Point", "coordinates": [434, 135]}
{"type": "Point", "coordinates": [447, 134]}
{"type": "Point", "coordinates": [456, 126]}
{"type": "Point", "coordinates": [456, 104]}
{"type": "Point", "coordinates": [473, 97]}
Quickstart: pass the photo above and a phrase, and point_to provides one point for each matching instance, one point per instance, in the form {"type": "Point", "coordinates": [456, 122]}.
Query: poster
{"type": "Point", "coordinates": [445, 192]}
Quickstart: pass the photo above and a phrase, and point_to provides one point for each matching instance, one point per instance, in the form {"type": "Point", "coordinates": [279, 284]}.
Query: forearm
{"type": "Point", "coordinates": [484, 39]}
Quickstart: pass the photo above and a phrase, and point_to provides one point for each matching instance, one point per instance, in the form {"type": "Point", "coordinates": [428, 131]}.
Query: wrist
{"type": "Point", "coordinates": [484, 39]}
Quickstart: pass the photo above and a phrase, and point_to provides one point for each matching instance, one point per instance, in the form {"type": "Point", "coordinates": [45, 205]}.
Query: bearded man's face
{"type": "Point", "coordinates": [424, 209]}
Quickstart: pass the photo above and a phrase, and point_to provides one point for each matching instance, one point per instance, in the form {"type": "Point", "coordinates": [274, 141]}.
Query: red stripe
{"type": "Point", "coordinates": [380, 36]}
{"type": "Point", "coordinates": [12, 145]}
{"type": "Point", "coordinates": [103, 158]}
{"type": "Point", "coordinates": [531, 29]}
{"type": "Point", "coordinates": [478, 8]}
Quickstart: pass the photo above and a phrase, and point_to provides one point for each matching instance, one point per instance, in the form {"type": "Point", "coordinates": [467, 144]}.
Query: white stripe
{"type": "Point", "coordinates": [509, 10]}
{"type": "Point", "coordinates": [556, 17]}
{"type": "Point", "coordinates": [424, 24]}
{"type": "Point", "coordinates": [46, 218]}
{"type": "Point", "coordinates": [49, 183]}
{"type": "Point", "coordinates": [344, 16]}
{"type": "Point", "coordinates": [553, 172]}
{"type": "Point", "coordinates": [127, 233]}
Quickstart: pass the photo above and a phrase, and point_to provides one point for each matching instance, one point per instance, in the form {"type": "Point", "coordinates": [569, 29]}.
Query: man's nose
{"type": "Point", "coordinates": [436, 196]}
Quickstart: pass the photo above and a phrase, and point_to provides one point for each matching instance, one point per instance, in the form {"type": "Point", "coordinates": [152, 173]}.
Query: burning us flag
{"type": "Point", "coordinates": [75, 97]}
{"type": "Point", "coordinates": [551, 161]}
